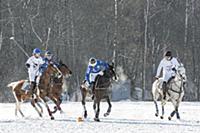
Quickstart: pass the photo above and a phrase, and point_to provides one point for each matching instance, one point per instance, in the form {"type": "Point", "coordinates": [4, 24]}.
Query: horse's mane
{"type": "Point", "coordinates": [104, 80]}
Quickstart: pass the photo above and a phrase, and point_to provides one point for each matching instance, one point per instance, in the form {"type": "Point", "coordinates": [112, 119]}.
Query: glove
{"type": "Point", "coordinates": [101, 73]}
{"type": "Point", "coordinates": [35, 65]}
{"type": "Point", "coordinates": [27, 65]}
{"type": "Point", "coordinates": [51, 62]}
{"type": "Point", "coordinates": [174, 69]}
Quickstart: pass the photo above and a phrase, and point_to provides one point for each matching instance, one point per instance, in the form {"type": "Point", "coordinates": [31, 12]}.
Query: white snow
{"type": "Point", "coordinates": [126, 117]}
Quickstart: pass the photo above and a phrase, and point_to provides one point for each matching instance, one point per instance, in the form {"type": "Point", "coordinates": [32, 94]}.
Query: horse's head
{"type": "Point", "coordinates": [66, 72]}
{"type": "Point", "coordinates": [111, 71]}
{"type": "Point", "coordinates": [51, 69]}
{"type": "Point", "coordinates": [181, 73]}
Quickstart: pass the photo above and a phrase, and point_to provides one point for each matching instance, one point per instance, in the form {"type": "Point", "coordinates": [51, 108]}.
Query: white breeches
{"type": "Point", "coordinates": [32, 75]}
{"type": "Point", "coordinates": [167, 75]}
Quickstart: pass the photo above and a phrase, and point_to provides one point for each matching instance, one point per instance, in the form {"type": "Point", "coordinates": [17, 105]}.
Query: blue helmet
{"type": "Point", "coordinates": [48, 53]}
{"type": "Point", "coordinates": [36, 51]}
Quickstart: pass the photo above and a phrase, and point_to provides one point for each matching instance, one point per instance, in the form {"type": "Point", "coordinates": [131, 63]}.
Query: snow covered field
{"type": "Point", "coordinates": [126, 117]}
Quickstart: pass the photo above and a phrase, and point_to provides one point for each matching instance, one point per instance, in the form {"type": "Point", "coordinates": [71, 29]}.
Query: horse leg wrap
{"type": "Point", "coordinates": [164, 87]}
{"type": "Point", "coordinates": [33, 88]}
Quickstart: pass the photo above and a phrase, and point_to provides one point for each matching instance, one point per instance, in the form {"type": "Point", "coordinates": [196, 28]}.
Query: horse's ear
{"type": "Point", "coordinates": [113, 64]}
{"type": "Point", "coordinates": [182, 65]}
{"type": "Point", "coordinates": [60, 62]}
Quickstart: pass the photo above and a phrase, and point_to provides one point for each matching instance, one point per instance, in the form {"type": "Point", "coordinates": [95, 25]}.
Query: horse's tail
{"type": "Point", "coordinates": [154, 90]}
{"type": "Point", "coordinates": [13, 84]}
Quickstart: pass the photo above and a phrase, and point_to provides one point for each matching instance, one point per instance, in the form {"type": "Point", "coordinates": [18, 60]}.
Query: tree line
{"type": "Point", "coordinates": [132, 33]}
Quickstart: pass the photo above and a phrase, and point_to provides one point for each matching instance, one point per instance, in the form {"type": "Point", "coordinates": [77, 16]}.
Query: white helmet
{"type": "Point", "coordinates": [92, 62]}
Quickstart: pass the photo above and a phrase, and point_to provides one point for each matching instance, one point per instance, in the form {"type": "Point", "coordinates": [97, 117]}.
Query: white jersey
{"type": "Point", "coordinates": [35, 64]}
{"type": "Point", "coordinates": [166, 66]}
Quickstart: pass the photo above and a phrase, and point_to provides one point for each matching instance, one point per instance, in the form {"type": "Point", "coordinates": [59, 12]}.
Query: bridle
{"type": "Point", "coordinates": [110, 76]}
{"type": "Point", "coordinates": [181, 79]}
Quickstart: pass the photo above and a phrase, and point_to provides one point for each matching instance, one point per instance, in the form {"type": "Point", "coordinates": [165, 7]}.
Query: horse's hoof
{"type": "Point", "coordinates": [85, 114]}
{"type": "Point", "coordinates": [156, 114]}
{"type": "Point", "coordinates": [161, 117]}
{"type": "Point", "coordinates": [169, 118]}
{"type": "Point", "coordinates": [97, 119]}
{"type": "Point", "coordinates": [106, 114]}
{"type": "Point", "coordinates": [52, 118]}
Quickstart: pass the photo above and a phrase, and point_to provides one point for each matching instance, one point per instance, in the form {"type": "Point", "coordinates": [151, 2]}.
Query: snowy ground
{"type": "Point", "coordinates": [126, 117]}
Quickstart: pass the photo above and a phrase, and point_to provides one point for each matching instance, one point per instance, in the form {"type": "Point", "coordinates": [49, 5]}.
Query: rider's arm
{"type": "Point", "coordinates": [175, 62]}
{"type": "Point", "coordinates": [159, 69]}
{"type": "Point", "coordinates": [104, 64]}
{"type": "Point", "coordinates": [87, 75]}
{"type": "Point", "coordinates": [28, 62]}
{"type": "Point", "coordinates": [42, 61]}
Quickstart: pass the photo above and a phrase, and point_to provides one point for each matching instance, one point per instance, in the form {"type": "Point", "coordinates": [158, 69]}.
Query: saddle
{"type": "Point", "coordinates": [26, 85]}
{"type": "Point", "coordinates": [168, 83]}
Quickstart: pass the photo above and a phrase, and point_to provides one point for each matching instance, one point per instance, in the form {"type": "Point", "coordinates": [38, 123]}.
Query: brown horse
{"type": "Point", "coordinates": [56, 88]}
{"type": "Point", "coordinates": [21, 95]}
{"type": "Point", "coordinates": [45, 89]}
{"type": "Point", "coordinates": [102, 83]}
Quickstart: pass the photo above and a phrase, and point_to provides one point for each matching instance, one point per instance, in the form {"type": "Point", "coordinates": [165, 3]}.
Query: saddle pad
{"type": "Point", "coordinates": [26, 86]}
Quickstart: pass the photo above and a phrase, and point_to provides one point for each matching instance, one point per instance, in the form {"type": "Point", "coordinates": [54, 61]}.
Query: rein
{"type": "Point", "coordinates": [101, 84]}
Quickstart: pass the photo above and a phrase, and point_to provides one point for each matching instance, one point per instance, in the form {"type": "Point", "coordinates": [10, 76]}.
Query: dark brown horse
{"type": "Point", "coordinates": [102, 84]}
{"type": "Point", "coordinates": [22, 95]}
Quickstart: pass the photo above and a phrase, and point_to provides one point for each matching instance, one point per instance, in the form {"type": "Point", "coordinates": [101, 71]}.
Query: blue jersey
{"type": "Point", "coordinates": [44, 65]}
{"type": "Point", "coordinates": [100, 66]}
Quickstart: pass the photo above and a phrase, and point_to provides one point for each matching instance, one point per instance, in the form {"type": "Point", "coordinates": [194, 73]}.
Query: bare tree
{"type": "Point", "coordinates": [146, 14]}
{"type": "Point", "coordinates": [115, 30]}
{"type": "Point", "coordinates": [186, 21]}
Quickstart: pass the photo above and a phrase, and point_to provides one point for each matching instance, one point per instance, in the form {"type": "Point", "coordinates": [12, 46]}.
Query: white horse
{"type": "Point", "coordinates": [175, 92]}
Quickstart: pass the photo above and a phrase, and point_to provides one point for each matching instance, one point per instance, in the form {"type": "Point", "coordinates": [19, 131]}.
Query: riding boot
{"type": "Point", "coordinates": [33, 89]}
{"type": "Point", "coordinates": [164, 87]}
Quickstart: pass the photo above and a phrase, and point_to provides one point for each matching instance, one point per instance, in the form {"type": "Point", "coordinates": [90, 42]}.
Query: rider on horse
{"type": "Point", "coordinates": [95, 68]}
{"type": "Point", "coordinates": [168, 66]}
{"type": "Point", "coordinates": [48, 59]}
{"type": "Point", "coordinates": [33, 64]}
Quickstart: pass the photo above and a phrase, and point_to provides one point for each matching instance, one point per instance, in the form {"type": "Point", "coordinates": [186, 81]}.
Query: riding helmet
{"type": "Point", "coordinates": [168, 53]}
{"type": "Point", "coordinates": [92, 61]}
{"type": "Point", "coordinates": [36, 51]}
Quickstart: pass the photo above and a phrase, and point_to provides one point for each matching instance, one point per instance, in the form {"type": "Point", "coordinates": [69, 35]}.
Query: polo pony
{"type": "Point", "coordinates": [101, 91]}
{"type": "Point", "coordinates": [174, 94]}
